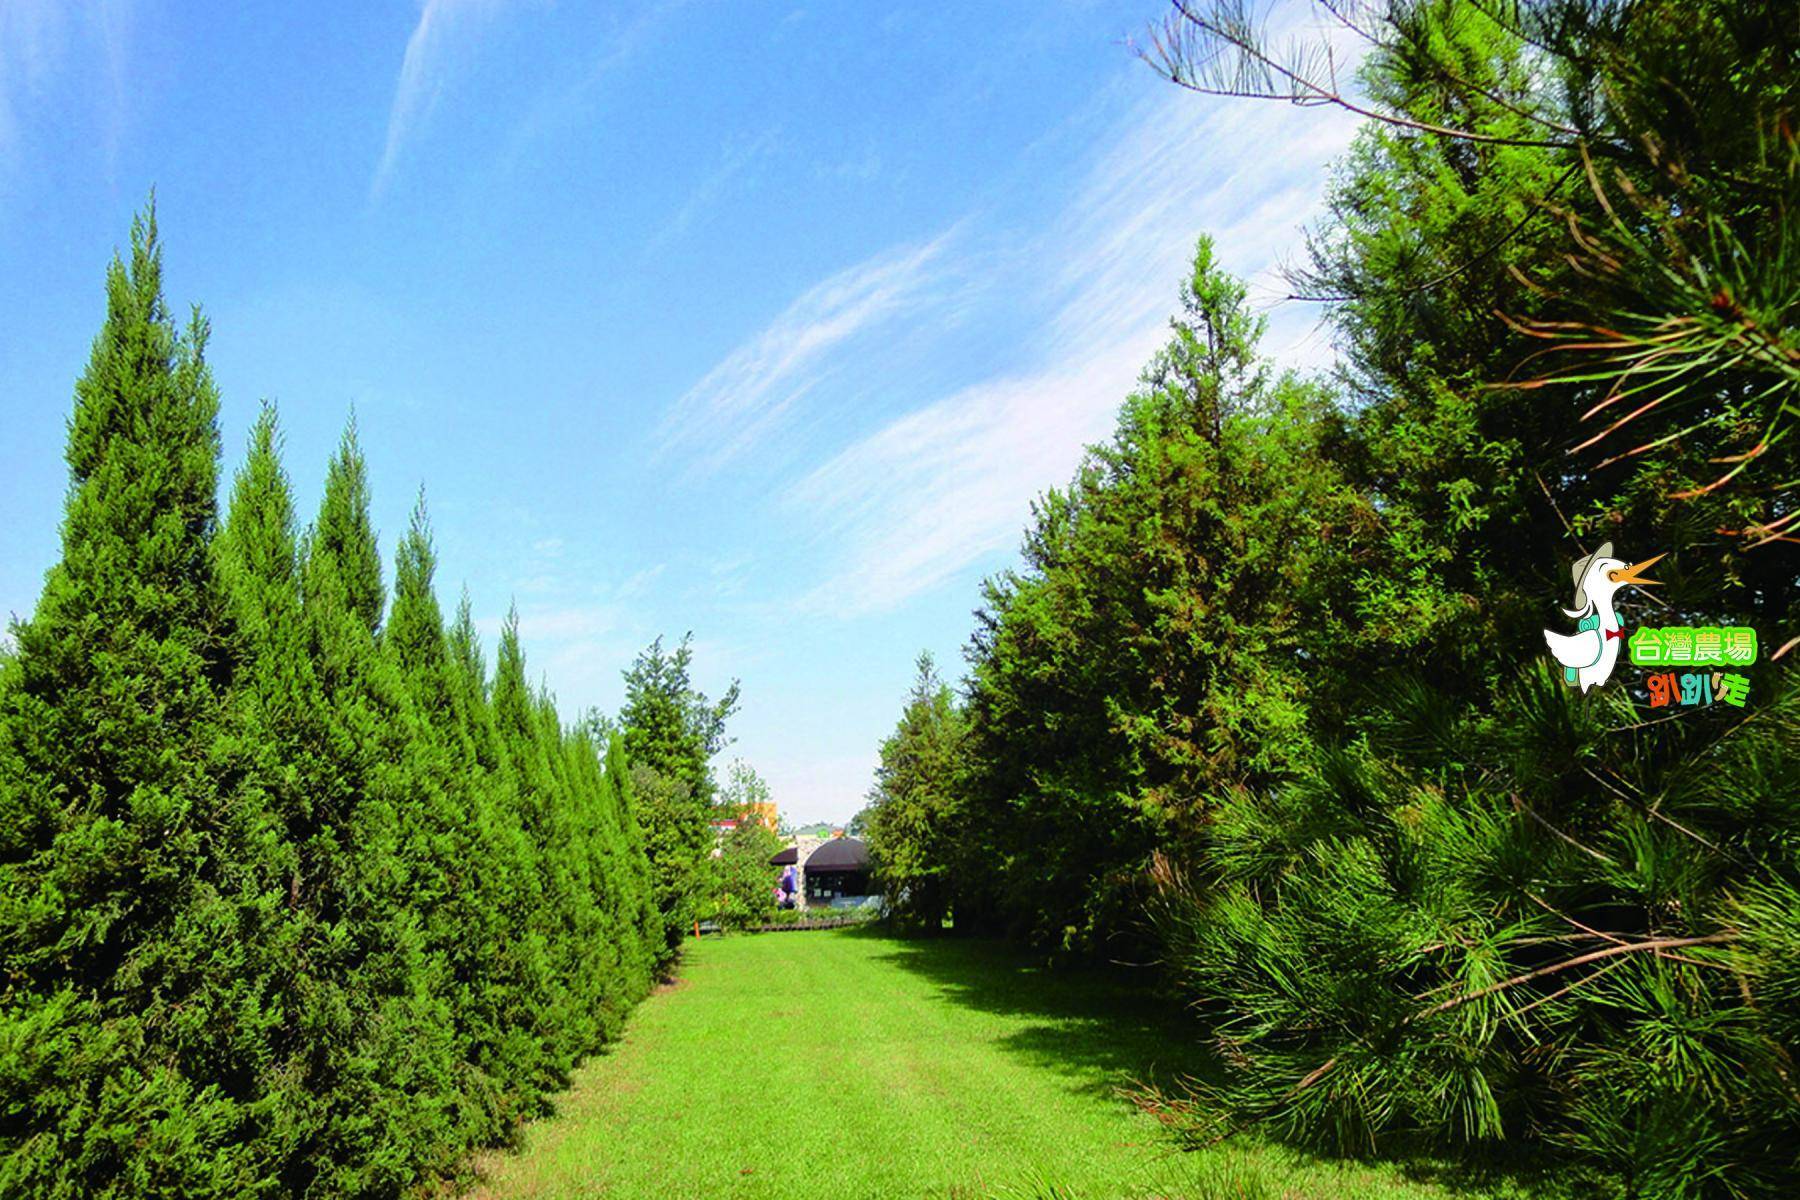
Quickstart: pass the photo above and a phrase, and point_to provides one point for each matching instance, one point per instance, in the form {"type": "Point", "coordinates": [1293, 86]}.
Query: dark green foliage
{"type": "Point", "coordinates": [1270, 672]}
{"type": "Point", "coordinates": [1155, 648]}
{"type": "Point", "coordinates": [1572, 930]}
{"type": "Point", "coordinates": [1506, 913]}
{"type": "Point", "coordinates": [918, 811]}
{"type": "Point", "coordinates": [639, 897]}
{"type": "Point", "coordinates": [137, 902]}
{"type": "Point", "coordinates": [474, 859]}
{"type": "Point", "coordinates": [288, 906]}
{"type": "Point", "coordinates": [374, 1012]}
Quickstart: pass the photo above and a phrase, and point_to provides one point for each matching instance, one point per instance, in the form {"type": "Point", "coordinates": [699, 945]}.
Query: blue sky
{"type": "Point", "coordinates": [756, 320]}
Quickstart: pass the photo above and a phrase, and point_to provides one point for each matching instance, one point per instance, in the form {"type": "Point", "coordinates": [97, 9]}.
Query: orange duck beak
{"type": "Point", "coordinates": [1632, 574]}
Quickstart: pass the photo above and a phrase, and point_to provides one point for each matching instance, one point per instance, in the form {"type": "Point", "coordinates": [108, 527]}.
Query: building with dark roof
{"type": "Point", "coordinates": [834, 872]}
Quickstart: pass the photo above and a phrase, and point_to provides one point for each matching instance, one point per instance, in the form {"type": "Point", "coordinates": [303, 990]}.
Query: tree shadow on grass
{"type": "Point", "coordinates": [1110, 1032]}
{"type": "Point", "coordinates": [1103, 1029]}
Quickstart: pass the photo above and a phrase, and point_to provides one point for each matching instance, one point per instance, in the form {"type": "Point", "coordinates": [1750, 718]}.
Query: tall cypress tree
{"type": "Point", "coordinates": [594, 962]}
{"type": "Point", "coordinates": [287, 906]}
{"type": "Point", "coordinates": [469, 677]}
{"type": "Point", "coordinates": [470, 872]}
{"type": "Point", "coordinates": [521, 984]}
{"type": "Point", "coordinates": [518, 722]}
{"type": "Point", "coordinates": [273, 732]}
{"type": "Point", "coordinates": [378, 1019]}
{"type": "Point", "coordinates": [133, 1008]}
{"type": "Point", "coordinates": [639, 883]}
{"type": "Point", "coordinates": [344, 537]}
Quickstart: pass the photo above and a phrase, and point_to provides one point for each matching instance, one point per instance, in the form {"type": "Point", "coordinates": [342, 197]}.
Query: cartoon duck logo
{"type": "Point", "coordinates": [1587, 655]}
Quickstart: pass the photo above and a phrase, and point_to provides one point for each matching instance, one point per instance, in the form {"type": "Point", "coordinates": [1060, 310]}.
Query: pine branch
{"type": "Point", "coordinates": [1653, 946]}
{"type": "Point", "coordinates": [1189, 57]}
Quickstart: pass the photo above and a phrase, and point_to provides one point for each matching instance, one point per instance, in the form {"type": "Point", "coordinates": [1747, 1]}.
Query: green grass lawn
{"type": "Point", "coordinates": [844, 1065]}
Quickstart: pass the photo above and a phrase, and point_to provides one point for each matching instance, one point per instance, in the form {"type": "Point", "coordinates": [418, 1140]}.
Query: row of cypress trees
{"type": "Point", "coordinates": [294, 898]}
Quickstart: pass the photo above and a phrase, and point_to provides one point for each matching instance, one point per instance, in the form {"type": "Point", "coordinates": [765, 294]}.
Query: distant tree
{"type": "Point", "coordinates": [675, 834]}
{"type": "Point", "coordinates": [599, 726]}
{"type": "Point", "coordinates": [740, 881]}
{"type": "Point", "coordinates": [744, 792]}
{"type": "Point", "coordinates": [916, 813]}
{"type": "Point", "coordinates": [671, 733]}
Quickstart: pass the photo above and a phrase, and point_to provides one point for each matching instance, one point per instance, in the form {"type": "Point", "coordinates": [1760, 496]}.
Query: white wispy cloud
{"type": "Point", "coordinates": [746, 396]}
{"type": "Point", "coordinates": [737, 158]}
{"type": "Point", "coordinates": [37, 40]}
{"type": "Point", "coordinates": [444, 25]}
{"type": "Point", "coordinates": [33, 35]}
{"type": "Point", "coordinates": [950, 482]}
{"type": "Point", "coordinates": [639, 582]}
{"type": "Point", "coordinates": [558, 108]}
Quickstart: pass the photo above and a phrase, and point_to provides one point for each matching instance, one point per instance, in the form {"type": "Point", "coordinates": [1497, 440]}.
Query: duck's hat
{"type": "Point", "coordinates": [1580, 571]}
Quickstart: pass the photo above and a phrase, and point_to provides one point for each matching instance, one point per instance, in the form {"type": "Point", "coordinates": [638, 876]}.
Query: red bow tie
{"type": "Point", "coordinates": [1614, 633]}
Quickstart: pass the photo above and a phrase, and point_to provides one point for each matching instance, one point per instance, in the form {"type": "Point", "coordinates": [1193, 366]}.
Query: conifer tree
{"type": "Point", "coordinates": [287, 906]}
{"type": "Point", "coordinates": [570, 844]}
{"type": "Point", "coordinates": [469, 677]}
{"type": "Point", "coordinates": [134, 1009]}
{"type": "Point", "coordinates": [379, 1022]}
{"type": "Point", "coordinates": [640, 880]}
{"type": "Point", "coordinates": [520, 985]}
{"type": "Point", "coordinates": [273, 732]}
{"type": "Point", "coordinates": [344, 535]}
{"type": "Point", "coordinates": [464, 872]}
{"type": "Point", "coordinates": [917, 804]}
{"type": "Point", "coordinates": [672, 732]}
{"type": "Point", "coordinates": [559, 1018]}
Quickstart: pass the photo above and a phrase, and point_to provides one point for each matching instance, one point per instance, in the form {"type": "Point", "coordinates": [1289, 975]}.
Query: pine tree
{"type": "Point", "coordinates": [344, 537]}
{"type": "Point", "coordinates": [133, 903]}
{"type": "Point", "coordinates": [589, 957]}
{"type": "Point", "coordinates": [615, 952]}
{"type": "Point", "coordinates": [916, 808]}
{"type": "Point", "coordinates": [287, 906]}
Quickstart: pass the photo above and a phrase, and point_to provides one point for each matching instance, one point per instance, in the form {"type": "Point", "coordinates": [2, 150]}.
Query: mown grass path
{"type": "Point", "coordinates": [849, 1065]}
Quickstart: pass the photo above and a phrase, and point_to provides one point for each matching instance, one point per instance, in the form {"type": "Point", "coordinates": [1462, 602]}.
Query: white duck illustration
{"type": "Point", "coordinates": [1588, 654]}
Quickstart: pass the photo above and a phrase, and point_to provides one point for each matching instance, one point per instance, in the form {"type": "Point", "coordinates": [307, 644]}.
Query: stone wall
{"type": "Point", "coordinates": [805, 846]}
